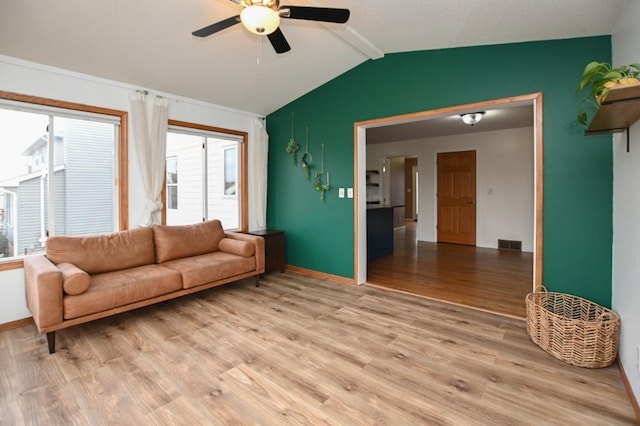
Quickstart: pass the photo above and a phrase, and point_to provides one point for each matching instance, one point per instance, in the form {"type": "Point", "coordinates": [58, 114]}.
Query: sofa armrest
{"type": "Point", "coordinates": [43, 285]}
{"type": "Point", "coordinates": [255, 240]}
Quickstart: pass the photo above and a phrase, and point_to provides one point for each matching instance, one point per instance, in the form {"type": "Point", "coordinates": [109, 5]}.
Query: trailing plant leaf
{"type": "Point", "coordinates": [293, 148]}
{"type": "Point", "coordinates": [307, 169]}
{"type": "Point", "coordinates": [590, 71]}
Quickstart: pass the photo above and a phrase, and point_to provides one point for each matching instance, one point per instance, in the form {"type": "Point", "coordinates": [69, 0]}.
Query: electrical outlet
{"type": "Point", "coordinates": [349, 192]}
{"type": "Point", "coordinates": [340, 192]}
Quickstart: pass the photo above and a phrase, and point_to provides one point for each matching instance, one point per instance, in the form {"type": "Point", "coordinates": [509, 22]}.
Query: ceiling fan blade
{"type": "Point", "coordinates": [218, 26]}
{"type": "Point", "coordinates": [324, 14]}
{"type": "Point", "coordinates": [279, 43]}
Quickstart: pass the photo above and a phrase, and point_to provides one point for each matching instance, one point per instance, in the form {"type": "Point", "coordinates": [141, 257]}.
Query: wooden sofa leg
{"type": "Point", "coordinates": [258, 280]}
{"type": "Point", "coordinates": [51, 341]}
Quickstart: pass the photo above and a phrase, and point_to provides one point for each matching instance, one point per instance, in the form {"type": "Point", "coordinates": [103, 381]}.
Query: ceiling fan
{"type": "Point", "coordinates": [262, 17]}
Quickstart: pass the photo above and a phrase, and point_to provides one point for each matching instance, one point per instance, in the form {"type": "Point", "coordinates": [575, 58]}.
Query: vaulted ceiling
{"type": "Point", "coordinates": [148, 43]}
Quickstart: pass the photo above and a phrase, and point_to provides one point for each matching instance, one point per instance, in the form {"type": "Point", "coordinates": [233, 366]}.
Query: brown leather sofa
{"type": "Point", "coordinates": [83, 278]}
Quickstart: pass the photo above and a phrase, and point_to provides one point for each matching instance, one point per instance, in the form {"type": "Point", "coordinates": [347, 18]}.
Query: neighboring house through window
{"type": "Point", "coordinates": [230, 171]}
{"type": "Point", "coordinates": [172, 183]}
{"type": "Point", "coordinates": [209, 164]}
{"type": "Point", "coordinates": [58, 172]}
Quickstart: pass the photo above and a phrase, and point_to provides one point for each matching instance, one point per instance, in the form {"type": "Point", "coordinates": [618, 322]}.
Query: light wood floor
{"type": "Point", "coordinates": [493, 280]}
{"type": "Point", "coordinates": [300, 350]}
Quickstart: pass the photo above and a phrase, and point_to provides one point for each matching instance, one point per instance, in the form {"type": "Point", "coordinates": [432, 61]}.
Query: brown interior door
{"type": "Point", "coordinates": [456, 197]}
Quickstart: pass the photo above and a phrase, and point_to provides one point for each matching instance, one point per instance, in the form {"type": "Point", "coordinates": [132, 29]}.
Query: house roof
{"type": "Point", "coordinates": [148, 43]}
{"type": "Point", "coordinates": [39, 144]}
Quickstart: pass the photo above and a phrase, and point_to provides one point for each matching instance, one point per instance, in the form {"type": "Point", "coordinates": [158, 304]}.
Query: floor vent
{"type": "Point", "coordinates": [509, 245]}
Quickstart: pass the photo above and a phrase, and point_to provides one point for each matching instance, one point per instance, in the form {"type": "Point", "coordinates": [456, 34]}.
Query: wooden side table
{"type": "Point", "coordinates": [273, 249]}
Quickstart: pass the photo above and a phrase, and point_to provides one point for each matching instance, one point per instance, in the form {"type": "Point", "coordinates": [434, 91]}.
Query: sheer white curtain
{"type": "Point", "coordinates": [150, 134]}
{"type": "Point", "coordinates": [258, 154]}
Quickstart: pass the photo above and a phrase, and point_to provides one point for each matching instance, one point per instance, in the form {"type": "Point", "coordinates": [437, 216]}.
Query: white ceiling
{"type": "Point", "coordinates": [148, 43]}
{"type": "Point", "coordinates": [496, 118]}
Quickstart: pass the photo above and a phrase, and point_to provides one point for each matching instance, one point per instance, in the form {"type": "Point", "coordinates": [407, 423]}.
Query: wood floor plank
{"type": "Point", "coordinates": [451, 395]}
{"type": "Point", "coordinates": [265, 399]}
{"type": "Point", "coordinates": [300, 350]}
{"type": "Point", "coordinates": [176, 412]}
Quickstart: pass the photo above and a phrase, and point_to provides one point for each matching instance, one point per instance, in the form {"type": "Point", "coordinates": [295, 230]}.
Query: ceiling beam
{"type": "Point", "coordinates": [357, 40]}
{"type": "Point", "coordinates": [353, 38]}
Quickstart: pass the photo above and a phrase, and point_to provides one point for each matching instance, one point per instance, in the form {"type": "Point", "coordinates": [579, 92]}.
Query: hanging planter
{"type": "Point", "coordinates": [321, 181]}
{"type": "Point", "coordinates": [292, 146]}
{"type": "Point", "coordinates": [307, 159]}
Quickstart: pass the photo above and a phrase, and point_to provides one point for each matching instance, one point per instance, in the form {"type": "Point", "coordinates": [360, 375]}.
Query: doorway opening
{"type": "Point", "coordinates": [424, 210]}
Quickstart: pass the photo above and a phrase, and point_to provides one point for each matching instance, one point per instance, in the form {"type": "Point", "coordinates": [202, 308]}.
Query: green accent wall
{"type": "Point", "coordinates": [578, 170]}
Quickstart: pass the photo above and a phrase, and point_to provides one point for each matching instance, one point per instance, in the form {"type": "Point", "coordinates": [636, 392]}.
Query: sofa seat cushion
{"type": "Point", "coordinates": [203, 269]}
{"type": "Point", "coordinates": [113, 289]}
{"type": "Point", "coordinates": [177, 242]}
{"type": "Point", "coordinates": [96, 254]}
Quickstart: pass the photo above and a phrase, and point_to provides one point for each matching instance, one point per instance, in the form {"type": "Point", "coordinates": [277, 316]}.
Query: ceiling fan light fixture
{"type": "Point", "coordinates": [260, 20]}
{"type": "Point", "coordinates": [472, 118]}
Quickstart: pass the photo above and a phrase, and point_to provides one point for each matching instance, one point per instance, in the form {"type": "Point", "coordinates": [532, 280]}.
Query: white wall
{"type": "Point", "coordinates": [626, 209]}
{"type": "Point", "coordinates": [38, 80]}
{"type": "Point", "coordinates": [505, 181]}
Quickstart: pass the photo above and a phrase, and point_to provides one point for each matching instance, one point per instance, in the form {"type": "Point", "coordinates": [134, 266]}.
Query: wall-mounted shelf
{"type": "Point", "coordinates": [373, 186]}
{"type": "Point", "coordinates": [619, 110]}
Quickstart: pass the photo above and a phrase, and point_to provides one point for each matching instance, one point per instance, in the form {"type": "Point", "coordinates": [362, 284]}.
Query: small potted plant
{"type": "Point", "coordinates": [292, 147]}
{"type": "Point", "coordinates": [320, 186]}
{"type": "Point", "coordinates": [602, 78]}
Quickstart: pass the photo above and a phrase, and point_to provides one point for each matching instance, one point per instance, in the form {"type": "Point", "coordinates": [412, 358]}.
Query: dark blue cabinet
{"type": "Point", "coordinates": [379, 232]}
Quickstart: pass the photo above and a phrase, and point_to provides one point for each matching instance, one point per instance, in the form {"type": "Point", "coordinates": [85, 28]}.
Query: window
{"type": "Point", "coordinates": [210, 163]}
{"type": "Point", "coordinates": [58, 172]}
{"type": "Point", "coordinates": [172, 183]}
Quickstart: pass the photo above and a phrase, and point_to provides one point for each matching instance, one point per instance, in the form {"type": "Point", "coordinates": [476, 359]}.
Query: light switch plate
{"type": "Point", "coordinates": [340, 192]}
{"type": "Point", "coordinates": [349, 192]}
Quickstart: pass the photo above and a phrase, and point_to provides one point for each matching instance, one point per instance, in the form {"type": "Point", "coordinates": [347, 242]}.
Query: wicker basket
{"type": "Point", "coordinates": [573, 329]}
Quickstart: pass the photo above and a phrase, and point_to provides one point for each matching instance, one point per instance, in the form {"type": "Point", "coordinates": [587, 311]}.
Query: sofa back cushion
{"type": "Point", "coordinates": [176, 242]}
{"type": "Point", "coordinates": [96, 254]}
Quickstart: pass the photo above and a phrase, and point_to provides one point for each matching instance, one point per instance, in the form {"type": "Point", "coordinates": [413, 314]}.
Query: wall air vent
{"type": "Point", "coordinates": [510, 245]}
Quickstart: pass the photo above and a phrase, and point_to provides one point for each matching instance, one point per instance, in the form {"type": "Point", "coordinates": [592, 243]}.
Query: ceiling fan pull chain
{"type": "Point", "coordinates": [259, 54]}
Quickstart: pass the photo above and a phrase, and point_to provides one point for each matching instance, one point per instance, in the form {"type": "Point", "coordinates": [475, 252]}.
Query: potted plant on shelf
{"type": "Point", "coordinates": [602, 78]}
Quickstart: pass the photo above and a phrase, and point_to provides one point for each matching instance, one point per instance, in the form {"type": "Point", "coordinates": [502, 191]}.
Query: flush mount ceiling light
{"type": "Point", "coordinates": [472, 118]}
{"type": "Point", "coordinates": [260, 20]}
